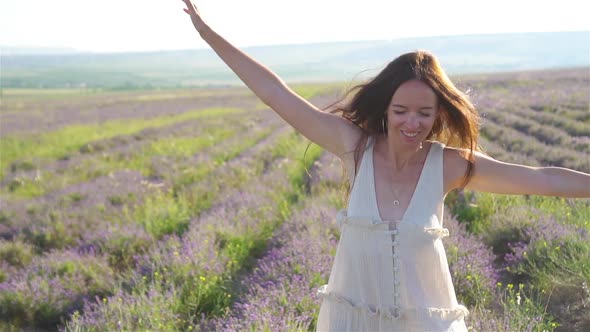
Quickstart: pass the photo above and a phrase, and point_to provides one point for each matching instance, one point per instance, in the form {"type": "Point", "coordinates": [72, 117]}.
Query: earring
{"type": "Point", "coordinates": [383, 125]}
{"type": "Point", "coordinates": [420, 146]}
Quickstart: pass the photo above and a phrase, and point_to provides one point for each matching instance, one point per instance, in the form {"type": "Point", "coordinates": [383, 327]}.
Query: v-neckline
{"type": "Point", "coordinates": [376, 204]}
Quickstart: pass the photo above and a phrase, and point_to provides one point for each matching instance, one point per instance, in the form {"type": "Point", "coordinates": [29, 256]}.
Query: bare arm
{"type": "Point", "coordinates": [330, 131]}
{"type": "Point", "coordinates": [494, 176]}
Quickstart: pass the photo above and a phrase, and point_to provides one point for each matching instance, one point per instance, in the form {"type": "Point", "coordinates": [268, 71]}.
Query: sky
{"type": "Point", "coordinates": [151, 25]}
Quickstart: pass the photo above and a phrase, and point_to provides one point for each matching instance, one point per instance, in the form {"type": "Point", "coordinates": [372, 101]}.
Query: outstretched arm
{"type": "Point", "coordinates": [494, 176]}
{"type": "Point", "coordinates": [330, 131]}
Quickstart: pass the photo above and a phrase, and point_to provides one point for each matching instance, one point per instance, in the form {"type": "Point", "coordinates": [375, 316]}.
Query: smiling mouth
{"type": "Point", "coordinates": [412, 134]}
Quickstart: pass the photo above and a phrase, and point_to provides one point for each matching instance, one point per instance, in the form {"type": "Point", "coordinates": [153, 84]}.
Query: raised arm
{"type": "Point", "coordinates": [330, 131]}
{"type": "Point", "coordinates": [494, 176]}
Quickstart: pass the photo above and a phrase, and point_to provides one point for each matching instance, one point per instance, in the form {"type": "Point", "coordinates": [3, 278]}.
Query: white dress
{"type": "Point", "coordinates": [392, 276]}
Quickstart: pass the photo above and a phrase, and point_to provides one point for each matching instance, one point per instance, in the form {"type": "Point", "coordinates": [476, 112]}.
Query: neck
{"type": "Point", "coordinates": [398, 156]}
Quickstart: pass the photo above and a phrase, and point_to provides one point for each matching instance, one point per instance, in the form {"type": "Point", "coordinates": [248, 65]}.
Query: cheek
{"type": "Point", "coordinates": [396, 122]}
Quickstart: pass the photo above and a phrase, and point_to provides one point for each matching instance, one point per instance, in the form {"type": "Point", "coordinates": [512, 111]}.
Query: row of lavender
{"type": "Point", "coordinates": [43, 112]}
{"type": "Point", "coordinates": [191, 275]}
{"type": "Point", "coordinates": [55, 220]}
{"type": "Point", "coordinates": [279, 294]}
{"type": "Point", "coordinates": [177, 193]}
{"type": "Point", "coordinates": [45, 162]}
{"type": "Point", "coordinates": [517, 243]}
{"type": "Point", "coordinates": [50, 285]}
{"type": "Point", "coordinates": [533, 114]}
{"type": "Point", "coordinates": [540, 244]}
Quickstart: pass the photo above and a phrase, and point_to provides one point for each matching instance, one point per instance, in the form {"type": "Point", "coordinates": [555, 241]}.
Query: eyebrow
{"type": "Point", "coordinates": [421, 108]}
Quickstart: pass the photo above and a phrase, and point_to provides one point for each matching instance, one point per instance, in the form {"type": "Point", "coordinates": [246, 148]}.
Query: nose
{"type": "Point", "coordinates": [412, 122]}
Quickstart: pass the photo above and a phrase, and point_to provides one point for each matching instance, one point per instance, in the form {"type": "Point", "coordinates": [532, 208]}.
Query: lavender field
{"type": "Point", "coordinates": [201, 210]}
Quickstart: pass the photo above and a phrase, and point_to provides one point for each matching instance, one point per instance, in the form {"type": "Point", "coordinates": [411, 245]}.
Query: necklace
{"type": "Point", "coordinates": [395, 195]}
{"type": "Point", "coordinates": [391, 177]}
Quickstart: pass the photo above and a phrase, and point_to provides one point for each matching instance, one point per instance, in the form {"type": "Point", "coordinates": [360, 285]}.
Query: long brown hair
{"type": "Point", "coordinates": [457, 125]}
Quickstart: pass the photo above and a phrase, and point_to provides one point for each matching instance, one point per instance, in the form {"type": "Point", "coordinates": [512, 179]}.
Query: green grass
{"type": "Point", "coordinates": [554, 273]}
{"type": "Point", "coordinates": [520, 308]}
{"type": "Point", "coordinates": [210, 296]}
{"type": "Point", "coordinates": [195, 290]}
{"type": "Point", "coordinates": [46, 93]}
{"type": "Point", "coordinates": [476, 209]}
{"type": "Point", "coordinates": [310, 90]}
{"type": "Point", "coordinates": [64, 142]}
{"type": "Point", "coordinates": [172, 148]}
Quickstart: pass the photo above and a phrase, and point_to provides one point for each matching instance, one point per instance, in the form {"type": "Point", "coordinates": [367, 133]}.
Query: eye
{"type": "Point", "coordinates": [399, 112]}
{"type": "Point", "coordinates": [425, 114]}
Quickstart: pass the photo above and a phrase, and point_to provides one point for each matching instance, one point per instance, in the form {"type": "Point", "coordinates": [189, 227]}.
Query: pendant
{"type": "Point", "coordinates": [396, 202]}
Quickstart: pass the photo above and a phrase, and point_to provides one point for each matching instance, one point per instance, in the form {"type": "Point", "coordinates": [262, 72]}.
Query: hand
{"type": "Point", "coordinates": [195, 15]}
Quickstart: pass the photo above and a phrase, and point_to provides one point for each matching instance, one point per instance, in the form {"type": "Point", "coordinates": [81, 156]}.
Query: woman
{"type": "Point", "coordinates": [407, 138]}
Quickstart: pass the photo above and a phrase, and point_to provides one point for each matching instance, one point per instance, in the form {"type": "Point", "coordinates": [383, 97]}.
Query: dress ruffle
{"type": "Point", "coordinates": [395, 312]}
{"type": "Point", "coordinates": [435, 232]}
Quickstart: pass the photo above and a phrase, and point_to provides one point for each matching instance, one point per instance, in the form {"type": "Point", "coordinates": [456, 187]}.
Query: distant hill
{"type": "Point", "coordinates": [33, 50]}
{"type": "Point", "coordinates": [296, 63]}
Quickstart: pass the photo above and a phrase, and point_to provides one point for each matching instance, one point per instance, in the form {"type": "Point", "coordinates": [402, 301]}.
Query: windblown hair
{"type": "Point", "coordinates": [457, 125]}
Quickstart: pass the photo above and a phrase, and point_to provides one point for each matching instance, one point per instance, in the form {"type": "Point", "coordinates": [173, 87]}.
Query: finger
{"type": "Point", "coordinates": [187, 3]}
{"type": "Point", "coordinates": [190, 5]}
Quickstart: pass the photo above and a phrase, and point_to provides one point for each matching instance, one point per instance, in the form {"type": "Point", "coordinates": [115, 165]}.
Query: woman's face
{"type": "Point", "coordinates": [412, 112]}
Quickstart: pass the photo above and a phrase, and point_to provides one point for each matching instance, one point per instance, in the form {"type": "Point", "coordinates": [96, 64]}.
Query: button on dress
{"type": "Point", "coordinates": [392, 275]}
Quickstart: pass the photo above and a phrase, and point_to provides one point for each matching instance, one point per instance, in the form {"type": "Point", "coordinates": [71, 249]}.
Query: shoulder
{"type": "Point", "coordinates": [436, 145]}
{"type": "Point", "coordinates": [454, 167]}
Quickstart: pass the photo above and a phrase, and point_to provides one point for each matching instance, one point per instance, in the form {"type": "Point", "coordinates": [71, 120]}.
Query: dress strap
{"type": "Point", "coordinates": [429, 190]}
{"type": "Point", "coordinates": [364, 161]}
{"type": "Point", "coordinates": [358, 200]}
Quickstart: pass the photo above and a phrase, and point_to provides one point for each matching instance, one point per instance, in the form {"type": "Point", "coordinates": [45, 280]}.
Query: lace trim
{"type": "Point", "coordinates": [396, 312]}
{"type": "Point", "coordinates": [437, 232]}
{"type": "Point", "coordinates": [342, 219]}
{"type": "Point", "coordinates": [389, 312]}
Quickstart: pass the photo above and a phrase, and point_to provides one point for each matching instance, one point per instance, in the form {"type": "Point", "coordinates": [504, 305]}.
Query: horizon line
{"type": "Point", "coordinates": [68, 50]}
